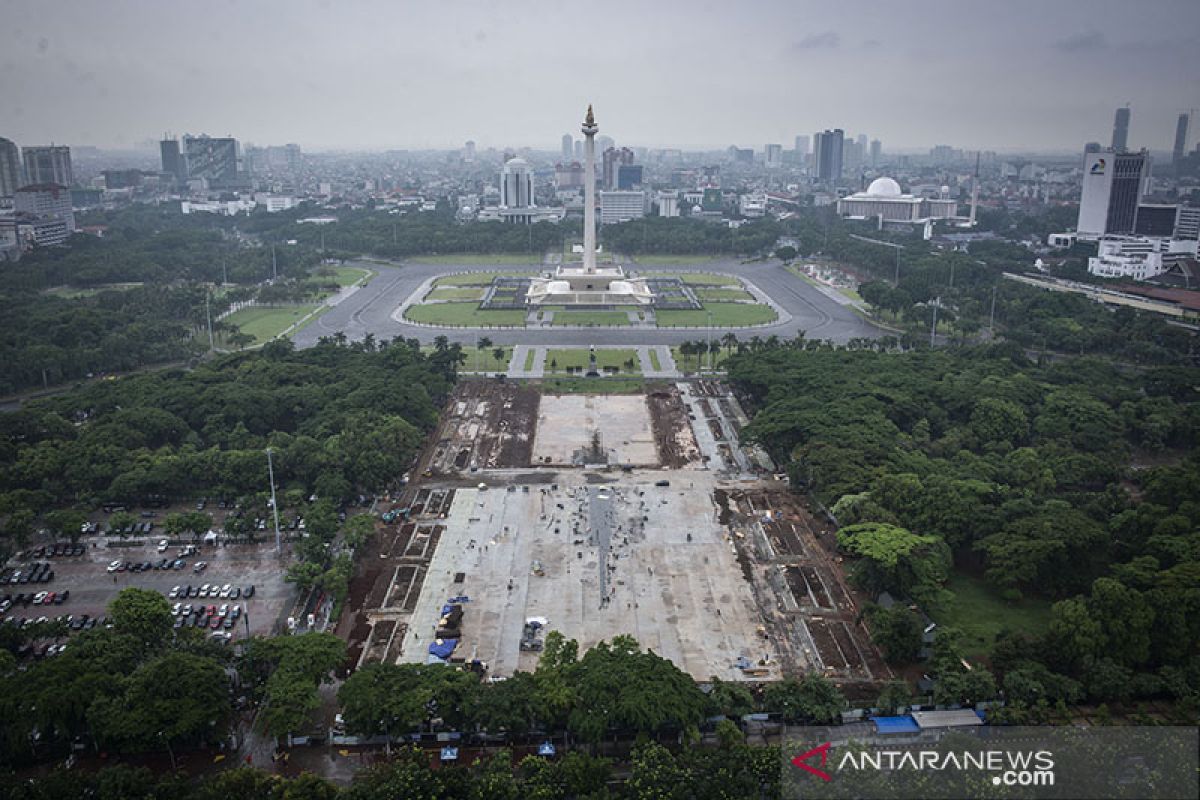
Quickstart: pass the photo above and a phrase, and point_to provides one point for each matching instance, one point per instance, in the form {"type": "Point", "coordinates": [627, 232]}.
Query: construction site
{"type": "Point", "coordinates": [602, 515]}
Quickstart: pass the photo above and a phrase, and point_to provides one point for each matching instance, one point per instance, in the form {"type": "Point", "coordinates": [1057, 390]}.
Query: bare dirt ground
{"type": "Point", "coordinates": [673, 435]}
{"type": "Point", "coordinates": [485, 425]}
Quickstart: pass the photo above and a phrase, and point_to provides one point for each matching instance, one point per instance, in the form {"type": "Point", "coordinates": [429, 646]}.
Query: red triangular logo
{"type": "Point", "coordinates": [823, 752]}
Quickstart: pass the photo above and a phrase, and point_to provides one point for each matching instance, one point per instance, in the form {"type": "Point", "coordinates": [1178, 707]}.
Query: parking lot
{"type": "Point", "coordinates": [89, 585]}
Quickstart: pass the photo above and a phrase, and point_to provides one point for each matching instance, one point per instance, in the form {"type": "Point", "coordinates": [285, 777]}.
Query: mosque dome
{"type": "Point", "coordinates": [884, 187]}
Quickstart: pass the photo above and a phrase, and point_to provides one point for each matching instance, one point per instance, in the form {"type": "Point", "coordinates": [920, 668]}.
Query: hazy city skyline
{"type": "Point", "coordinates": [375, 75]}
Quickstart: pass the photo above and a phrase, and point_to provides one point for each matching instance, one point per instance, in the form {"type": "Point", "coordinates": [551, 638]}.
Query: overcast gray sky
{"type": "Point", "coordinates": [351, 74]}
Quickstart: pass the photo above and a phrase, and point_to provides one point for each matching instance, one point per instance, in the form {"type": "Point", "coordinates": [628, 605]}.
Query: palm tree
{"type": "Point", "coordinates": [498, 354]}
{"type": "Point", "coordinates": [481, 345]}
{"type": "Point", "coordinates": [440, 343]}
{"type": "Point", "coordinates": [730, 341]}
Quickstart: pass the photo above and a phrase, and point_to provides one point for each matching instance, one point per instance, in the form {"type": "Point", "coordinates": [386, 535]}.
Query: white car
{"type": "Point", "coordinates": [223, 610]}
{"type": "Point", "coordinates": [114, 566]}
{"type": "Point", "coordinates": [203, 591]}
{"type": "Point", "coordinates": [173, 593]}
{"type": "Point", "coordinates": [39, 598]}
{"type": "Point", "coordinates": [175, 609]}
{"type": "Point", "coordinates": [226, 589]}
{"type": "Point", "coordinates": [162, 546]}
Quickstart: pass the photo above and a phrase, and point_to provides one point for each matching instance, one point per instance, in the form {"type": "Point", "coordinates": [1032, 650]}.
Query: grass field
{"type": "Point", "coordinates": [265, 323]}
{"type": "Point", "coordinates": [473, 259]}
{"type": "Point", "coordinates": [578, 357]}
{"type": "Point", "coordinates": [724, 315]}
{"type": "Point", "coordinates": [694, 362]}
{"type": "Point", "coordinates": [483, 360]}
{"type": "Point", "coordinates": [463, 314]}
{"type": "Point", "coordinates": [478, 278]}
{"type": "Point", "coordinates": [456, 293]}
{"type": "Point", "coordinates": [592, 386]}
{"type": "Point", "coordinates": [981, 613]}
{"type": "Point", "coordinates": [347, 276]}
{"type": "Point", "coordinates": [590, 318]}
{"type": "Point", "coordinates": [708, 295]}
{"type": "Point", "coordinates": [654, 362]}
{"type": "Point", "coordinates": [72, 293]}
{"type": "Point", "coordinates": [529, 356]}
{"type": "Point", "coordinates": [670, 260]}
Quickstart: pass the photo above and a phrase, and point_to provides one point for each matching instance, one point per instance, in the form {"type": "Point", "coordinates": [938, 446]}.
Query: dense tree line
{"type": "Point", "coordinates": [1025, 473]}
{"type": "Point", "coordinates": [340, 419]}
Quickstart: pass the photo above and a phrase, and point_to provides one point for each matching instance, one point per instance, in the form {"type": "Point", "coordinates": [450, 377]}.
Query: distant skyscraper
{"type": "Point", "coordinates": [210, 159]}
{"type": "Point", "coordinates": [10, 168]}
{"type": "Point", "coordinates": [1120, 137]}
{"type": "Point", "coordinates": [876, 152]}
{"type": "Point", "coordinates": [1113, 183]}
{"type": "Point", "coordinates": [612, 159]}
{"type": "Point", "coordinates": [516, 184]}
{"type": "Point", "coordinates": [1181, 133]}
{"type": "Point", "coordinates": [827, 154]}
{"type": "Point", "coordinates": [629, 176]}
{"type": "Point", "coordinates": [852, 157]}
{"type": "Point", "coordinates": [801, 150]}
{"type": "Point", "coordinates": [49, 164]}
{"type": "Point", "coordinates": [862, 144]}
{"type": "Point", "coordinates": [605, 142]}
{"type": "Point", "coordinates": [579, 150]}
{"type": "Point", "coordinates": [568, 148]}
{"type": "Point", "coordinates": [172, 159]}
{"type": "Point", "coordinates": [773, 156]}
{"type": "Point", "coordinates": [468, 150]}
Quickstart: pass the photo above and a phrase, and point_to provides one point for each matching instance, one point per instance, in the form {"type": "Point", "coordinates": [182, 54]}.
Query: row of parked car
{"type": "Point", "coordinates": [147, 566]}
{"type": "Point", "coordinates": [228, 591]}
{"type": "Point", "coordinates": [37, 572]}
{"type": "Point", "coordinates": [34, 599]}
{"type": "Point", "coordinates": [61, 550]}
{"type": "Point", "coordinates": [210, 616]}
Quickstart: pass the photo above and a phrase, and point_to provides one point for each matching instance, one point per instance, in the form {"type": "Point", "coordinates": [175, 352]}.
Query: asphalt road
{"type": "Point", "coordinates": [370, 310]}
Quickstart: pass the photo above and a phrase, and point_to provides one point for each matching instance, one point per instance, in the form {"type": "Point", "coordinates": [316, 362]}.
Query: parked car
{"type": "Point", "coordinates": [179, 564]}
{"type": "Point", "coordinates": [51, 597]}
{"type": "Point", "coordinates": [200, 566]}
{"type": "Point", "coordinates": [173, 593]}
{"type": "Point", "coordinates": [175, 609]}
{"type": "Point", "coordinates": [249, 592]}
{"type": "Point", "coordinates": [235, 593]}
{"type": "Point", "coordinates": [162, 545]}
{"type": "Point", "coordinates": [39, 598]}
{"type": "Point", "coordinates": [225, 590]}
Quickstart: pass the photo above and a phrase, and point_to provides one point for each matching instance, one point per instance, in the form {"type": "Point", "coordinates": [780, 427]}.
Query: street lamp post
{"type": "Point", "coordinates": [274, 505]}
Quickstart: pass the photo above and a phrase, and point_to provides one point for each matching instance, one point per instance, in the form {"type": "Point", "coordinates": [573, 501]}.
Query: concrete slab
{"type": "Point", "coordinates": [566, 424]}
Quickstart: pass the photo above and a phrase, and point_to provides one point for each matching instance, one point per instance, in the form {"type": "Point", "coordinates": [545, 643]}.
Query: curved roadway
{"type": "Point", "coordinates": [370, 310]}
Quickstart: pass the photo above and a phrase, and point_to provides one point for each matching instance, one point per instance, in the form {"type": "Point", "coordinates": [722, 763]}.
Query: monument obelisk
{"type": "Point", "coordinates": [590, 129]}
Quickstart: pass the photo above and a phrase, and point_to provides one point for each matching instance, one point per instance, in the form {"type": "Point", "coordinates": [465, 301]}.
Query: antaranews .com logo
{"type": "Point", "coordinates": [855, 761]}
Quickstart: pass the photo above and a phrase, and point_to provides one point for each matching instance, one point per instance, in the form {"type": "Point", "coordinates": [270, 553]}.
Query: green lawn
{"type": "Point", "coordinates": [707, 295]}
{"type": "Point", "coordinates": [578, 357]}
{"type": "Point", "coordinates": [671, 260]}
{"type": "Point", "coordinates": [472, 259]}
{"type": "Point", "coordinates": [590, 318]}
{"type": "Point", "coordinates": [592, 386]}
{"type": "Point", "coordinates": [347, 276]}
{"type": "Point", "coordinates": [529, 356]}
{"type": "Point", "coordinates": [265, 323]}
{"type": "Point", "coordinates": [654, 362]}
{"type": "Point", "coordinates": [478, 278]}
{"type": "Point", "coordinates": [723, 315]}
{"type": "Point", "coordinates": [981, 613]}
{"type": "Point", "coordinates": [463, 314]}
{"type": "Point", "coordinates": [456, 293]}
{"type": "Point", "coordinates": [483, 360]}
{"type": "Point", "coordinates": [698, 278]}
{"type": "Point", "coordinates": [72, 293]}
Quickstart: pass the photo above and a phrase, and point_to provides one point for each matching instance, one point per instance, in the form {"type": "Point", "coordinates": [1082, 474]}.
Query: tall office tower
{"type": "Point", "coordinates": [468, 151]}
{"type": "Point", "coordinates": [579, 150]}
{"type": "Point", "coordinates": [801, 150]}
{"type": "Point", "coordinates": [827, 154]}
{"type": "Point", "coordinates": [210, 159]}
{"type": "Point", "coordinates": [851, 157]}
{"type": "Point", "coordinates": [172, 160]}
{"type": "Point", "coordinates": [516, 184]}
{"type": "Point", "coordinates": [629, 177]}
{"type": "Point", "coordinates": [10, 168]}
{"type": "Point", "coordinates": [605, 143]}
{"type": "Point", "coordinates": [1120, 137]}
{"type": "Point", "coordinates": [862, 144]}
{"type": "Point", "coordinates": [773, 156]}
{"type": "Point", "coordinates": [568, 148]}
{"type": "Point", "coordinates": [876, 152]}
{"type": "Point", "coordinates": [49, 164]}
{"type": "Point", "coordinates": [1113, 183]}
{"type": "Point", "coordinates": [612, 159]}
{"type": "Point", "coordinates": [1181, 133]}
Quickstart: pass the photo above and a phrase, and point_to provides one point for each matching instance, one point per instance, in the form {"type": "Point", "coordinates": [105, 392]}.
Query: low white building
{"type": "Point", "coordinates": [526, 215]}
{"type": "Point", "coordinates": [621, 206]}
{"type": "Point", "coordinates": [275, 203]}
{"type": "Point", "coordinates": [668, 204]}
{"type": "Point", "coordinates": [1138, 257]}
{"type": "Point", "coordinates": [752, 205]}
{"type": "Point", "coordinates": [601, 286]}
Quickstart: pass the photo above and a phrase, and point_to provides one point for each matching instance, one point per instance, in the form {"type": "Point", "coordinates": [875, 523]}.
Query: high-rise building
{"type": "Point", "coordinates": [827, 154]}
{"type": "Point", "coordinates": [1181, 134]}
{"type": "Point", "coordinates": [802, 151]}
{"type": "Point", "coordinates": [10, 168]}
{"type": "Point", "coordinates": [516, 184]}
{"type": "Point", "coordinates": [1092, 147]}
{"type": "Point", "coordinates": [46, 201]}
{"type": "Point", "coordinates": [172, 160]}
{"type": "Point", "coordinates": [629, 176]}
{"type": "Point", "coordinates": [1120, 136]}
{"type": "Point", "coordinates": [211, 159]}
{"type": "Point", "coordinates": [48, 164]}
{"type": "Point", "coordinates": [1113, 183]}
{"type": "Point", "coordinates": [468, 150]}
{"type": "Point", "coordinates": [773, 156]}
{"type": "Point", "coordinates": [568, 148]}
{"type": "Point", "coordinates": [612, 159]}
{"type": "Point", "coordinates": [579, 150]}
{"type": "Point", "coordinates": [862, 144]}
{"type": "Point", "coordinates": [569, 175]}
{"type": "Point", "coordinates": [876, 152]}
{"type": "Point", "coordinates": [852, 157]}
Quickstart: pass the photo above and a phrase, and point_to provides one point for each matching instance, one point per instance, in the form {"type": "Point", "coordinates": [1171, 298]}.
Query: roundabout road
{"type": "Point", "coordinates": [370, 309]}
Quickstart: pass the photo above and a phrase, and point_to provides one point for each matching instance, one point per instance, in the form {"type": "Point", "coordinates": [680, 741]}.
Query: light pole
{"type": "Point", "coordinates": [709, 345]}
{"type": "Point", "coordinates": [170, 752]}
{"type": "Point", "coordinates": [274, 505]}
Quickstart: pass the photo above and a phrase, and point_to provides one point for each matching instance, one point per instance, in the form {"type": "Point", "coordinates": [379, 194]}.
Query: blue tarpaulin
{"type": "Point", "coordinates": [446, 609]}
{"type": "Point", "coordinates": [905, 724]}
{"type": "Point", "coordinates": [449, 754]}
{"type": "Point", "coordinates": [546, 749]}
{"type": "Point", "coordinates": [444, 649]}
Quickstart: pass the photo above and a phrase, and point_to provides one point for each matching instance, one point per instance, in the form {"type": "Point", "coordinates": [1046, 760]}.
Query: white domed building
{"type": "Point", "coordinates": [885, 200]}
